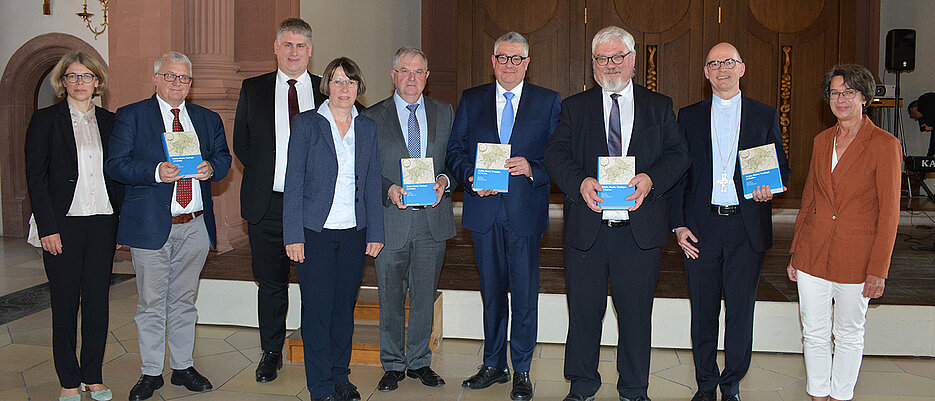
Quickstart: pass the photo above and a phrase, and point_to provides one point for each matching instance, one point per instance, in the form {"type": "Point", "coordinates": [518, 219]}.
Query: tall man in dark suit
{"type": "Point", "coordinates": [167, 221]}
{"type": "Point", "coordinates": [410, 125]}
{"type": "Point", "coordinates": [506, 227]}
{"type": "Point", "coordinates": [621, 247]}
{"type": "Point", "coordinates": [261, 139]}
{"type": "Point", "coordinates": [723, 234]}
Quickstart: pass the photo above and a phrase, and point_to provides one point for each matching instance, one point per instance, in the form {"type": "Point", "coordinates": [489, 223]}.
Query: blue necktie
{"type": "Point", "coordinates": [415, 143]}
{"type": "Point", "coordinates": [506, 120]}
{"type": "Point", "coordinates": [614, 140]}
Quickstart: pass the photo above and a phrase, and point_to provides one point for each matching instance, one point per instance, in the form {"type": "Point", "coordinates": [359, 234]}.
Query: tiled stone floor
{"type": "Point", "coordinates": [228, 356]}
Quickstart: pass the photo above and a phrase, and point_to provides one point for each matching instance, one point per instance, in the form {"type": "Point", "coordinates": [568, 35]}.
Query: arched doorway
{"type": "Point", "coordinates": [20, 81]}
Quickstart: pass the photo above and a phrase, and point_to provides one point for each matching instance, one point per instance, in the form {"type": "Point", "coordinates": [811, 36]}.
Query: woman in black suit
{"type": "Point", "coordinates": [75, 207]}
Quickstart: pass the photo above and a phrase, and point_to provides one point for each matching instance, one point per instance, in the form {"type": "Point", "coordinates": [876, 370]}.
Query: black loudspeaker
{"type": "Point", "coordinates": [900, 50]}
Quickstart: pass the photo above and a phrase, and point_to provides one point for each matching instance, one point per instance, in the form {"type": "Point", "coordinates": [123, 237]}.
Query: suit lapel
{"type": "Point", "coordinates": [68, 133]}
{"type": "Point", "coordinates": [156, 122]}
{"type": "Point", "coordinates": [430, 120]}
{"type": "Point", "coordinates": [325, 128]}
{"type": "Point", "coordinates": [523, 108]}
{"type": "Point", "coordinates": [597, 143]}
{"type": "Point", "coordinates": [490, 109]}
{"type": "Point", "coordinates": [268, 103]}
{"type": "Point", "coordinates": [847, 160]}
{"type": "Point", "coordinates": [391, 118]}
{"type": "Point", "coordinates": [747, 140]}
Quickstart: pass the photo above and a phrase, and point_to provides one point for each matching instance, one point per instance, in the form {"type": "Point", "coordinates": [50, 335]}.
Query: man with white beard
{"type": "Point", "coordinates": [619, 247]}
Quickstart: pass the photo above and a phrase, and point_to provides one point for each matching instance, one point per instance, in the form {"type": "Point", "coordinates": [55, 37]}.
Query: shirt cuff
{"type": "Point", "coordinates": [447, 180]}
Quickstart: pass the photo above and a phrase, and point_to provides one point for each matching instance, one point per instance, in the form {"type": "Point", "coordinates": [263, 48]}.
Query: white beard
{"type": "Point", "coordinates": [612, 83]}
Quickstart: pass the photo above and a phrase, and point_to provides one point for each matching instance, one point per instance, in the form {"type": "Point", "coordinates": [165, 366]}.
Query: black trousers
{"type": "Point", "coordinates": [632, 273]}
{"type": "Point", "coordinates": [727, 262]}
{"type": "Point", "coordinates": [271, 272]}
{"type": "Point", "coordinates": [330, 280]}
{"type": "Point", "coordinates": [80, 277]}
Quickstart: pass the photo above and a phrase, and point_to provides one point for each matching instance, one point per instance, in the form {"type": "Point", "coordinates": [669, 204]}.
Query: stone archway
{"type": "Point", "coordinates": [18, 85]}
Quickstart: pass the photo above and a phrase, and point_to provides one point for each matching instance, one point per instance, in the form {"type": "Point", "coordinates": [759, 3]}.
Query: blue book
{"type": "Point", "coordinates": [614, 173]}
{"type": "Point", "coordinates": [489, 170]}
{"type": "Point", "coordinates": [759, 166]}
{"type": "Point", "coordinates": [183, 150]}
{"type": "Point", "coordinates": [418, 178]}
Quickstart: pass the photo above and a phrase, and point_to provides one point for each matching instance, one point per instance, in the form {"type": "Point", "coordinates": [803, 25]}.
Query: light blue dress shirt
{"type": "Point", "coordinates": [342, 213]}
{"type": "Point", "coordinates": [403, 113]}
{"type": "Point", "coordinates": [725, 133]}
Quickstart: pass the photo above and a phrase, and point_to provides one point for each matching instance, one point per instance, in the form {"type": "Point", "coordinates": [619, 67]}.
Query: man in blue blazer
{"type": "Point", "coordinates": [168, 221]}
{"type": "Point", "coordinates": [621, 248]}
{"type": "Point", "coordinates": [506, 227]}
{"type": "Point", "coordinates": [722, 234]}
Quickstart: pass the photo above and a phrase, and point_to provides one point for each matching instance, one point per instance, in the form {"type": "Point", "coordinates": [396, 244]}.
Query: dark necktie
{"type": "Point", "coordinates": [293, 100]}
{"type": "Point", "coordinates": [614, 145]}
{"type": "Point", "coordinates": [183, 188]}
{"type": "Point", "coordinates": [415, 140]}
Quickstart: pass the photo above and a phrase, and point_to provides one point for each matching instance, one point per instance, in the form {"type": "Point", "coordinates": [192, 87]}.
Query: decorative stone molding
{"type": "Point", "coordinates": [785, 97]}
{"type": "Point", "coordinates": [651, 69]}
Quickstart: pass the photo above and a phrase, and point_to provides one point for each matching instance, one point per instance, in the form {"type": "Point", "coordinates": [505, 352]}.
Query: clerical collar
{"type": "Point", "coordinates": [727, 102]}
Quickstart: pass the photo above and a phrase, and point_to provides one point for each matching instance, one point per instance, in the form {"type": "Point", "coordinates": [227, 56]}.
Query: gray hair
{"type": "Point", "coordinates": [296, 26]}
{"type": "Point", "coordinates": [174, 57]}
{"type": "Point", "coordinates": [610, 34]}
{"type": "Point", "coordinates": [512, 37]}
{"type": "Point", "coordinates": [410, 52]}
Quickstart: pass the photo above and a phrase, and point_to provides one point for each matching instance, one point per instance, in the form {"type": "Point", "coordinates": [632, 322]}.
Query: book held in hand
{"type": "Point", "coordinates": [614, 174]}
{"type": "Point", "coordinates": [489, 170]}
{"type": "Point", "coordinates": [183, 150]}
{"type": "Point", "coordinates": [759, 166]}
{"type": "Point", "coordinates": [418, 178]}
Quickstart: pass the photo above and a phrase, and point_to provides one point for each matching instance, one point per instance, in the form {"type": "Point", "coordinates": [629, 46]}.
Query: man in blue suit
{"type": "Point", "coordinates": [723, 235]}
{"type": "Point", "coordinates": [506, 227]}
{"type": "Point", "coordinates": [168, 222]}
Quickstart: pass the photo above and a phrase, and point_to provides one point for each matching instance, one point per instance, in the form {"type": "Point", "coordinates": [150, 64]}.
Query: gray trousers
{"type": "Point", "coordinates": [414, 267]}
{"type": "Point", "coordinates": [167, 279]}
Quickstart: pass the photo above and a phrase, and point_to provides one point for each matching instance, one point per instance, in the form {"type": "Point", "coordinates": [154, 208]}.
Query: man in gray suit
{"type": "Point", "coordinates": [410, 125]}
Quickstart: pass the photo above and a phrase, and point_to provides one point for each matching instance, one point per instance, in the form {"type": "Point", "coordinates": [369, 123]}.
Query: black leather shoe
{"type": "Point", "coordinates": [144, 388]}
{"type": "Point", "coordinates": [346, 392]}
{"type": "Point", "coordinates": [578, 397]}
{"type": "Point", "coordinates": [640, 398]}
{"type": "Point", "coordinates": [735, 397]}
{"type": "Point", "coordinates": [270, 363]}
{"type": "Point", "coordinates": [705, 396]}
{"type": "Point", "coordinates": [427, 376]}
{"type": "Point", "coordinates": [191, 379]}
{"type": "Point", "coordinates": [390, 380]}
{"type": "Point", "coordinates": [486, 376]}
{"type": "Point", "coordinates": [522, 387]}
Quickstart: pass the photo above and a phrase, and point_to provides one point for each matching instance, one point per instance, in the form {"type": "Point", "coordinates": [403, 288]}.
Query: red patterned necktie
{"type": "Point", "coordinates": [293, 100]}
{"type": "Point", "coordinates": [183, 188]}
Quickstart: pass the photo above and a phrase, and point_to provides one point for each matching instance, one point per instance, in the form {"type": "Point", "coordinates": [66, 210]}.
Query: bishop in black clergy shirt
{"type": "Point", "coordinates": [621, 247]}
{"type": "Point", "coordinates": [723, 235]}
{"type": "Point", "coordinates": [261, 138]}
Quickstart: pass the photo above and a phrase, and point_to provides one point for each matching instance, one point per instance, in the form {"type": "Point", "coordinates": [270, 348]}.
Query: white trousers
{"type": "Point", "coordinates": [831, 309]}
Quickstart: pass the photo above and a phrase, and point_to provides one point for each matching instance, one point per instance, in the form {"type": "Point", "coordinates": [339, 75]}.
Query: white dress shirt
{"type": "Point", "coordinates": [625, 102]}
{"type": "Point", "coordinates": [725, 137]}
{"type": "Point", "coordinates": [343, 212]}
{"type": "Point", "coordinates": [166, 111]}
{"type": "Point", "coordinates": [403, 114]}
{"type": "Point", "coordinates": [90, 191]}
{"type": "Point", "coordinates": [306, 98]}
{"type": "Point", "coordinates": [501, 102]}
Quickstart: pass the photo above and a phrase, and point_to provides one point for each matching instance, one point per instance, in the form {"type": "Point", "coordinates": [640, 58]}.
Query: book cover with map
{"type": "Point", "coordinates": [418, 175]}
{"type": "Point", "coordinates": [183, 150]}
{"type": "Point", "coordinates": [489, 172]}
{"type": "Point", "coordinates": [614, 173]}
{"type": "Point", "coordinates": [759, 166]}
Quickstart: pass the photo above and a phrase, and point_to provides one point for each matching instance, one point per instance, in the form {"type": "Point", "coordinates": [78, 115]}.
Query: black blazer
{"type": "Point", "coordinates": [759, 125]}
{"type": "Point", "coordinates": [255, 141]}
{"type": "Point", "coordinates": [571, 156]}
{"type": "Point", "coordinates": [52, 164]}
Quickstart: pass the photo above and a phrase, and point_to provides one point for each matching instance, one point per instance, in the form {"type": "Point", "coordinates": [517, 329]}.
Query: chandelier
{"type": "Point", "coordinates": [86, 17]}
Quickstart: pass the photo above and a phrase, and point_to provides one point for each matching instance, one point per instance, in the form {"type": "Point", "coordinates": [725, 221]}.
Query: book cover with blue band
{"type": "Point", "coordinates": [489, 170]}
{"type": "Point", "coordinates": [759, 166]}
{"type": "Point", "coordinates": [184, 151]}
{"type": "Point", "coordinates": [418, 178]}
{"type": "Point", "coordinates": [614, 173]}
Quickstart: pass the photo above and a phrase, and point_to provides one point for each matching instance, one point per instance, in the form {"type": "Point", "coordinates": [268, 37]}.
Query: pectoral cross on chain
{"type": "Point", "coordinates": [723, 181]}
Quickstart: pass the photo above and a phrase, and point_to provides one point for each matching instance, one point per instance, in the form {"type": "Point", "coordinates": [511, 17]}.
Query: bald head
{"type": "Point", "coordinates": [723, 68]}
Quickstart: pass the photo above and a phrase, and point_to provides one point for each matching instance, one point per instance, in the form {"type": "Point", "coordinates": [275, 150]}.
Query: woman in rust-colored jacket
{"type": "Point", "coordinates": [844, 233]}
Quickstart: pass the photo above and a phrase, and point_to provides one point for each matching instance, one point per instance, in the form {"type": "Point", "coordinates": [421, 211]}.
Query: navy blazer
{"type": "Point", "coordinates": [311, 173]}
{"type": "Point", "coordinates": [527, 202]}
{"type": "Point", "coordinates": [135, 151]}
{"type": "Point", "coordinates": [656, 143]}
{"type": "Point", "coordinates": [759, 125]}
{"type": "Point", "coordinates": [52, 164]}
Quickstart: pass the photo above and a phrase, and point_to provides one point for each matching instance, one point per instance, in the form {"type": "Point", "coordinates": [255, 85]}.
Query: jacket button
{"type": "Point", "coordinates": [834, 217]}
{"type": "Point", "coordinates": [356, 200]}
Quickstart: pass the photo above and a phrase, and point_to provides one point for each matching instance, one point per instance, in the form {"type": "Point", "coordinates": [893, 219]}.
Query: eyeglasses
{"type": "Point", "coordinates": [515, 59]}
{"type": "Point", "coordinates": [727, 64]}
{"type": "Point", "coordinates": [73, 78]}
{"type": "Point", "coordinates": [848, 94]}
{"type": "Point", "coordinates": [350, 83]}
{"type": "Point", "coordinates": [406, 71]}
{"type": "Point", "coordinates": [617, 59]}
{"type": "Point", "coordinates": [170, 77]}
